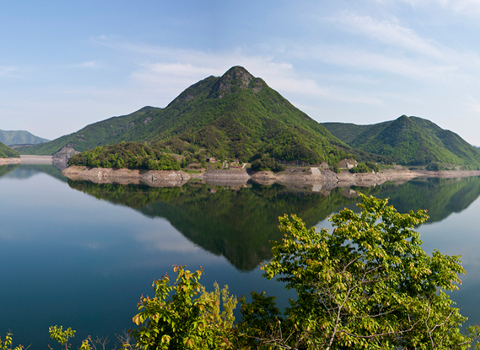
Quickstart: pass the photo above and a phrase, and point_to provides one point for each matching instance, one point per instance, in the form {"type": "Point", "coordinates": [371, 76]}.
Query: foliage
{"type": "Point", "coordinates": [434, 166]}
{"type": "Point", "coordinates": [189, 319]}
{"type": "Point", "coordinates": [336, 169]}
{"type": "Point", "coordinates": [364, 168]}
{"type": "Point", "coordinates": [131, 155]}
{"type": "Point", "coordinates": [262, 323]}
{"type": "Point", "coordinates": [408, 141]}
{"type": "Point", "coordinates": [360, 168]}
{"type": "Point", "coordinates": [62, 336]}
{"type": "Point", "coordinates": [7, 152]}
{"type": "Point", "coordinates": [267, 163]}
{"type": "Point", "coordinates": [373, 166]}
{"type": "Point", "coordinates": [367, 285]}
{"type": "Point", "coordinates": [6, 344]}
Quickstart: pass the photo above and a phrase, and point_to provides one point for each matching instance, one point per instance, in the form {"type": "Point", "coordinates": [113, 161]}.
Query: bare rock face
{"type": "Point", "coordinates": [153, 178]}
{"type": "Point", "coordinates": [60, 159]}
{"type": "Point", "coordinates": [66, 152]}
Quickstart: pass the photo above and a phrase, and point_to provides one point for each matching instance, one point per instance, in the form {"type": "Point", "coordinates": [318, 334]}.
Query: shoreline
{"type": "Point", "coordinates": [153, 178]}
{"type": "Point", "coordinates": [29, 159]}
{"type": "Point", "coordinates": [318, 178]}
{"type": "Point", "coordinates": [7, 161]}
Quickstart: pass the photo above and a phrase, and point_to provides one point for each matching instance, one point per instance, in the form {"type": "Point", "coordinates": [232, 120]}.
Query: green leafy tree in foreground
{"type": "Point", "coordinates": [189, 319]}
{"type": "Point", "coordinates": [7, 343]}
{"type": "Point", "coordinates": [366, 285]}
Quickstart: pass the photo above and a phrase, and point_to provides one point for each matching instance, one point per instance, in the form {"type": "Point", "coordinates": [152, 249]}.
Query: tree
{"type": "Point", "coordinates": [190, 319]}
{"type": "Point", "coordinates": [368, 284]}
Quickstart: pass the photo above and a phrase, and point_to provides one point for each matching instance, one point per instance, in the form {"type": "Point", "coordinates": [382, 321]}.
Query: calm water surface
{"type": "Point", "coordinates": [80, 255]}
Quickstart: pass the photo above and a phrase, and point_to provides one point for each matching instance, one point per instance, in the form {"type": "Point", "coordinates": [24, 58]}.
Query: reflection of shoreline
{"type": "Point", "coordinates": [315, 178]}
{"type": "Point", "coordinates": [6, 161]}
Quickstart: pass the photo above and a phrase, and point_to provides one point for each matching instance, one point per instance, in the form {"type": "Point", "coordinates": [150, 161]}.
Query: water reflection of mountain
{"type": "Point", "coordinates": [440, 197]}
{"type": "Point", "coordinates": [25, 171]}
{"type": "Point", "coordinates": [239, 223]}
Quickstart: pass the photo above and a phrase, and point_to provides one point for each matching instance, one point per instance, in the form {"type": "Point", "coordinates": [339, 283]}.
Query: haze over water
{"type": "Point", "coordinates": [80, 255]}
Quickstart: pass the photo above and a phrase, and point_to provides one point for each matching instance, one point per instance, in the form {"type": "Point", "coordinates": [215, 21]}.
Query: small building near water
{"type": "Point", "coordinates": [347, 163]}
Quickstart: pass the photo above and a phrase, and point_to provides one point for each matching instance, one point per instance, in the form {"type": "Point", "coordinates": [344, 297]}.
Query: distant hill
{"type": "Point", "coordinates": [236, 115]}
{"type": "Point", "coordinates": [19, 137]}
{"type": "Point", "coordinates": [409, 141]}
{"type": "Point", "coordinates": [7, 152]}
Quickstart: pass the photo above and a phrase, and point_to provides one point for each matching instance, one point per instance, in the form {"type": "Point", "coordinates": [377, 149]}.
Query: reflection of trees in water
{"type": "Point", "coordinates": [239, 223]}
{"type": "Point", "coordinates": [5, 169]}
{"type": "Point", "coordinates": [25, 171]}
{"type": "Point", "coordinates": [440, 197]}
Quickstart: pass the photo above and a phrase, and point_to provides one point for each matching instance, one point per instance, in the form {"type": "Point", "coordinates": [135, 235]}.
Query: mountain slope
{"type": "Point", "coordinates": [236, 115]}
{"type": "Point", "coordinates": [409, 141]}
{"type": "Point", "coordinates": [19, 137]}
{"type": "Point", "coordinates": [7, 152]}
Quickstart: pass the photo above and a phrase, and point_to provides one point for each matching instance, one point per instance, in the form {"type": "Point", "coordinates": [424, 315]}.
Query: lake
{"type": "Point", "coordinates": [80, 255]}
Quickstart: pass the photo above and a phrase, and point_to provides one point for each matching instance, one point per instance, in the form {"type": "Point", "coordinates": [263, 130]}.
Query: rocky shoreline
{"type": "Point", "coordinates": [154, 178]}
{"type": "Point", "coordinates": [315, 177]}
{"type": "Point", "coordinates": [6, 161]}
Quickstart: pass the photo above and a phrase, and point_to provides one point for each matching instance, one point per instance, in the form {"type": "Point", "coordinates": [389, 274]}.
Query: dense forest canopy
{"type": "Point", "coordinates": [131, 155]}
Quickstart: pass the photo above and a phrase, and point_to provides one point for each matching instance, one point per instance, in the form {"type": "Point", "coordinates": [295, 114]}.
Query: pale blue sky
{"type": "Point", "coordinates": [66, 64]}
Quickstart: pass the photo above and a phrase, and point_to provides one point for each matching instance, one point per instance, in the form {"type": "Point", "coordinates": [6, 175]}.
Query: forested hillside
{"type": "Point", "coordinates": [7, 152]}
{"type": "Point", "coordinates": [131, 155]}
{"type": "Point", "coordinates": [409, 141]}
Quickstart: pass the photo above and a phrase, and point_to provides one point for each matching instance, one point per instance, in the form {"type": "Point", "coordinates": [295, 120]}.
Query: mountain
{"type": "Point", "coordinates": [409, 141]}
{"type": "Point", "coordinates": [236, 115]}
{"type": "Point", "coordinates": [7, 152]}
{"type": "Point", "coordinates": [19, 137]}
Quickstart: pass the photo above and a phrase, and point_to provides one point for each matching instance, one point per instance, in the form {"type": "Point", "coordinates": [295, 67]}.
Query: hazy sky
{"type": "Point", "coordinates": [66, 64]}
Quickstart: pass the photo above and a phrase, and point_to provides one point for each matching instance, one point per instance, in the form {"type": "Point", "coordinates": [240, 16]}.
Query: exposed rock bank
{"type": "Point", "coordinates": [6, 161]}
{"type": "Point", "coordinates": [154, 178]}
{"type": "Point", "coordinates": [231, 177]}
{"type": "Point", "coordinates": [318, 179]}
{"type": "Point", "coordinates": [328, 178]}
